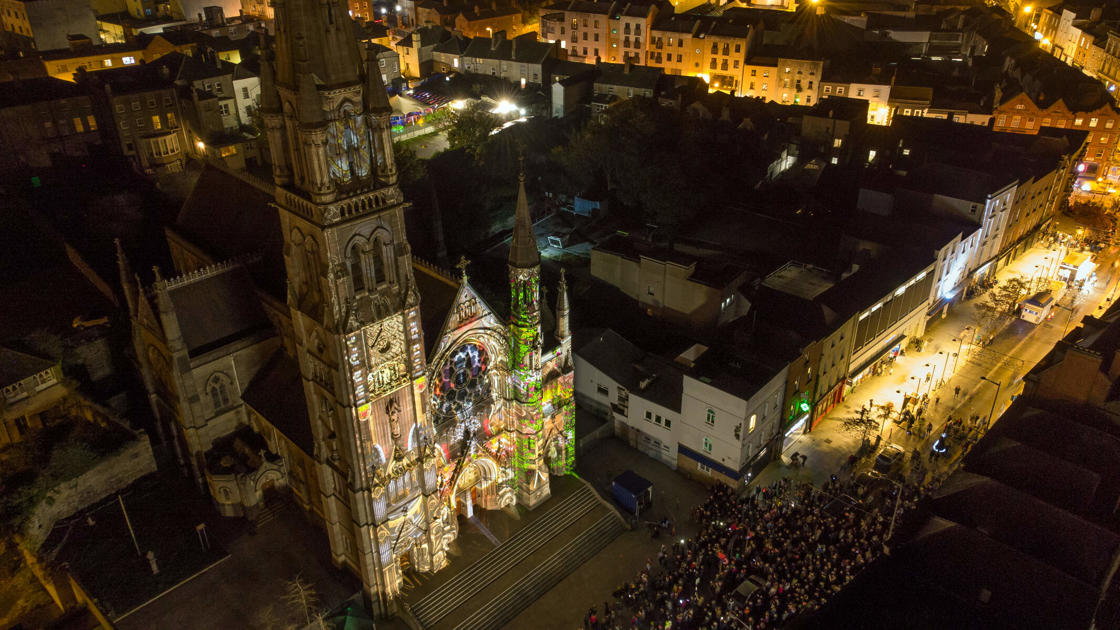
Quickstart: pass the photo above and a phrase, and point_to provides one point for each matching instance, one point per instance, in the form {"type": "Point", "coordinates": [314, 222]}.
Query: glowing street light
{"type": "Point", "coordinates": [1027, 9]}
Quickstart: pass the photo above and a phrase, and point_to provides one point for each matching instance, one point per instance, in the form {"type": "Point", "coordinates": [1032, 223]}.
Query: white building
{"type": "Point", "coordinates": [712, 417]}
{"type": "Point", "coordinates": [638, 392]}
{"type": "Point", "coordinates": [730, 416]}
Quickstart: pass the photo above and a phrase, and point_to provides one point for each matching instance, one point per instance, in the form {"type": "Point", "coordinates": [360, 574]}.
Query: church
{"type": "Point", "coordinates": [298, 348]}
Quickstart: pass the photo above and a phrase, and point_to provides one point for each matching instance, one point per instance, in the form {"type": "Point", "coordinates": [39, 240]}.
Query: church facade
{"type": "Point", "coordinates": [405, 435]}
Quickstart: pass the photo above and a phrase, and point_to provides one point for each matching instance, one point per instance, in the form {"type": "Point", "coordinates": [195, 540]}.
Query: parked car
{"type": "Point", "coordinates": [748, 587]}
{"type": "Point", "coordinates": [889, 459]}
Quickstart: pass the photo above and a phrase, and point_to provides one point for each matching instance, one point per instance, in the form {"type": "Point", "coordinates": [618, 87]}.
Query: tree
{"type": "Point", "coordinates": [1002, 301]}
{"type": "Point", "coordinates": [863, 424]}
{"type": "Point", "coordinates": [303, 602]}
{"type": "Point", "coordinates": [470, 127]}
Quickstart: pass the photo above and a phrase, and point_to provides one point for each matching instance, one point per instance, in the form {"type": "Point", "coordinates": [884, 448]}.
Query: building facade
{"type": "Point", "coordinates": [404, 438]}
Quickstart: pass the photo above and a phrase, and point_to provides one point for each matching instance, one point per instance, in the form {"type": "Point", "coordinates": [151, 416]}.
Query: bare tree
{"type": "Point", "coordinates": [862, 425]}
{"type": "Point", "coordinates": [303, 601]}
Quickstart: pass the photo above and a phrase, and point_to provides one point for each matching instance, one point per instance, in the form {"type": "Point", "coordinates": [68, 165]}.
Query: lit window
{"type": "Point", "coordinates": [836, 142]}
{"type": "Point", "coordinates": [128, 61]}
{"type": "Point", "coordinates": [1092, 122]}
{"type": "Point", "coordinates": [751, 425]}
{"type": "Point", "coordinates": [108, 63]}
{"type": "Point", "coordinates": [156, 123]}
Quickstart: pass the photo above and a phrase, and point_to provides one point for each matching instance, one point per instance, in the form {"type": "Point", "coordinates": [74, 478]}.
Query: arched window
{"type": "Point", "coordinates": [218, 389]}
{"type": "Point", "coordinates": [357, 270]}
{"type": "Point", "coordinates": [377, 260]}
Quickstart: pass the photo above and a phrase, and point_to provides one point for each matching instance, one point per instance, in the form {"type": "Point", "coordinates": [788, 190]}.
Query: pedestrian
{"type": "Point", "coordinates": [936, 401]}
{"type": "Point", "coordinates": [957, 392]}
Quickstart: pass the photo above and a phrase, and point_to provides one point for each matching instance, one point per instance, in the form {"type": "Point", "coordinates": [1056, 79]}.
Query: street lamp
{"type": "Point", "coordinates": [945, 367]}
{"type": "Point", "coordinates": [994, 399]}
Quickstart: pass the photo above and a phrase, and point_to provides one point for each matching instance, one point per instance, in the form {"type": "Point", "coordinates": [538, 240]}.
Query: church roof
{"type": "Point", "coordinates": [276, 393]}
{"type": "Point", "coordinates": [437, 293]}
{"type": "Point", "coordinates": [227, 217]}
{"type": "Point", "coordinates": [216, 309]}
{"type": "Point", "coordinates": [523, 251]}
{"type": "Point", "coordinates": [16, 366]}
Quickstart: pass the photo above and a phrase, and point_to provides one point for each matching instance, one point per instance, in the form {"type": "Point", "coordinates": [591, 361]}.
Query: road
{"type": "Point", "coordinates": [1013, 352]}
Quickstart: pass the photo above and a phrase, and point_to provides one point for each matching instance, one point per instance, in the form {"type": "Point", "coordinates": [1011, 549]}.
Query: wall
{"type": "Point", "coordinates": [52, 20]}
{"type": "Point", "coordinates": [110, 475]}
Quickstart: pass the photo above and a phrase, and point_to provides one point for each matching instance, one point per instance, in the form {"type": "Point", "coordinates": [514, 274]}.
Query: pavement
{"type": "Point", "coordinates": [247, 590]}
{"type": "Point", "coordinates": [976, 370]}
{"type": "Point", "coordinates": [674, 497]}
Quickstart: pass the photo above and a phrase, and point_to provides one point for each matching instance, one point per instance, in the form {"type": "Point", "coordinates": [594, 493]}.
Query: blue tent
{"type": "Point", "coordinates": [632, 491]}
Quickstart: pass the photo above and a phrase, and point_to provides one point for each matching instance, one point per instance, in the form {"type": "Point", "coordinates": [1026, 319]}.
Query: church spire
{"type": "Point", "coordinates": [563, 324]}
{"type": "Point", "coordinates": [523, 251]}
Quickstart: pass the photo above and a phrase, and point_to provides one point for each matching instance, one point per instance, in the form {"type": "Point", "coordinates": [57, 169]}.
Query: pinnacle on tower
{"type": "Point", "coordinates": [563, 323]}
{"type": "Point", "coordinates": [523, 252]}
{"type": "Point", "coordinates": [377, 100]}
{"type": "Point", "coordinates": [310, 105]}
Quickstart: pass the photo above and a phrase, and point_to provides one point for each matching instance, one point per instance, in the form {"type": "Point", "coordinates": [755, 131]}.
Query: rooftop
{"type": "Point", "coordinates": [800, 279]}
{"type": "Point", "coordinates": [648, 376]}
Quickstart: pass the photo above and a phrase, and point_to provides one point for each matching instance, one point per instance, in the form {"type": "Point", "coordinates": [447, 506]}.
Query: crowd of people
{"type": "Point", "coordinates": [800, 543]}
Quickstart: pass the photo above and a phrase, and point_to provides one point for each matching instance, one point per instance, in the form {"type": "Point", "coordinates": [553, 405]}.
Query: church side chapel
{"type": "Point", "coordinates": [290, 350]}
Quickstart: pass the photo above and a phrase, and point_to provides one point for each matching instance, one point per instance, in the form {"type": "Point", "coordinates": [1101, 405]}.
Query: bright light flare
{"type": "Point", "coordinates": [503, 108]}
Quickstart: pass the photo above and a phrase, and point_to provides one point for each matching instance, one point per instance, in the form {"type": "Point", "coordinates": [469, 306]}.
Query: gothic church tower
{"type": "Point", "coordinates": [353, 299]}
{"type": "Point", "coordinates": [525, 356]}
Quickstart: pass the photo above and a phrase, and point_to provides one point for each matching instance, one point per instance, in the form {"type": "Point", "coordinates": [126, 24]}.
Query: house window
{"type": "Point", "coordinates": [859, 92]}
{"type": "Point", "coordinates": [1077, 122]}
{"type": "Point", "coordinates": [171, 121]}
{"type": "Point", "coordinates": [603, 391]}
{"type": "Point", "coordinates": [91, 122]}
{"type": "Point", "coordinates": [657, 419]}
{"type": "Point", "coordinates": [707, 444]}
{"type": "Point", "coordinates": [754, 420]}
{"type": "Point", "coordinates": [704, 468]}
{"type": "Point", "coordinates": [828, 89]}
{"type": "Point", "coordinates": [668, 423]}
{"type": "Point", "coordinates": [649, 416]}
{"type": "Point", "coordinates": [1092, 122]}
{"type": "Point", "coordinates": [156, 123]}
{"type": "Point", "coordinates": [128, 61]}
{"type": "Point", "coordinates": [711, 418]}
{"type": "Point", "coordinates": [836, 142]}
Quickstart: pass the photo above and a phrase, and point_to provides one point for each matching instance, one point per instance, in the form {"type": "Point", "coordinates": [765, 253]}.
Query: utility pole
{"type": "Point", "coordinates": [988, 424]}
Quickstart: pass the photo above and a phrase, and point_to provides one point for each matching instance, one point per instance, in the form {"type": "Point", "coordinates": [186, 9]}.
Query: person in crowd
{"type": "Point", "coordinates": [783, 532]}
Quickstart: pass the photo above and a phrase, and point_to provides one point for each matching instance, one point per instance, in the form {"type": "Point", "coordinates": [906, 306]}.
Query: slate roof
{"type": "Point", "coordinates": [523, 49]}
{"type": "Point", "coordinates": [618, 75]}
{"type": "Point", "coordinates": [39, 89]}
{"type": "Point", "coordinates": [736, 375]}
{"type": "Point", "coordinates": [276, 392]}
{"type": "Point", "coordinates": [875, 280]}
{"type": "Point", "coordinates": [16, 366]}
{"type": "Point", "coordinates": [217, 309]}
{"type": "Point", "coordinates": [227, 218]}
{"type": "Point", "coordinates": [455, 45]}
{"type": "Point", "coordinates": [630, 366]}
{"type": "Point", "coordinates": [436, 296]}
